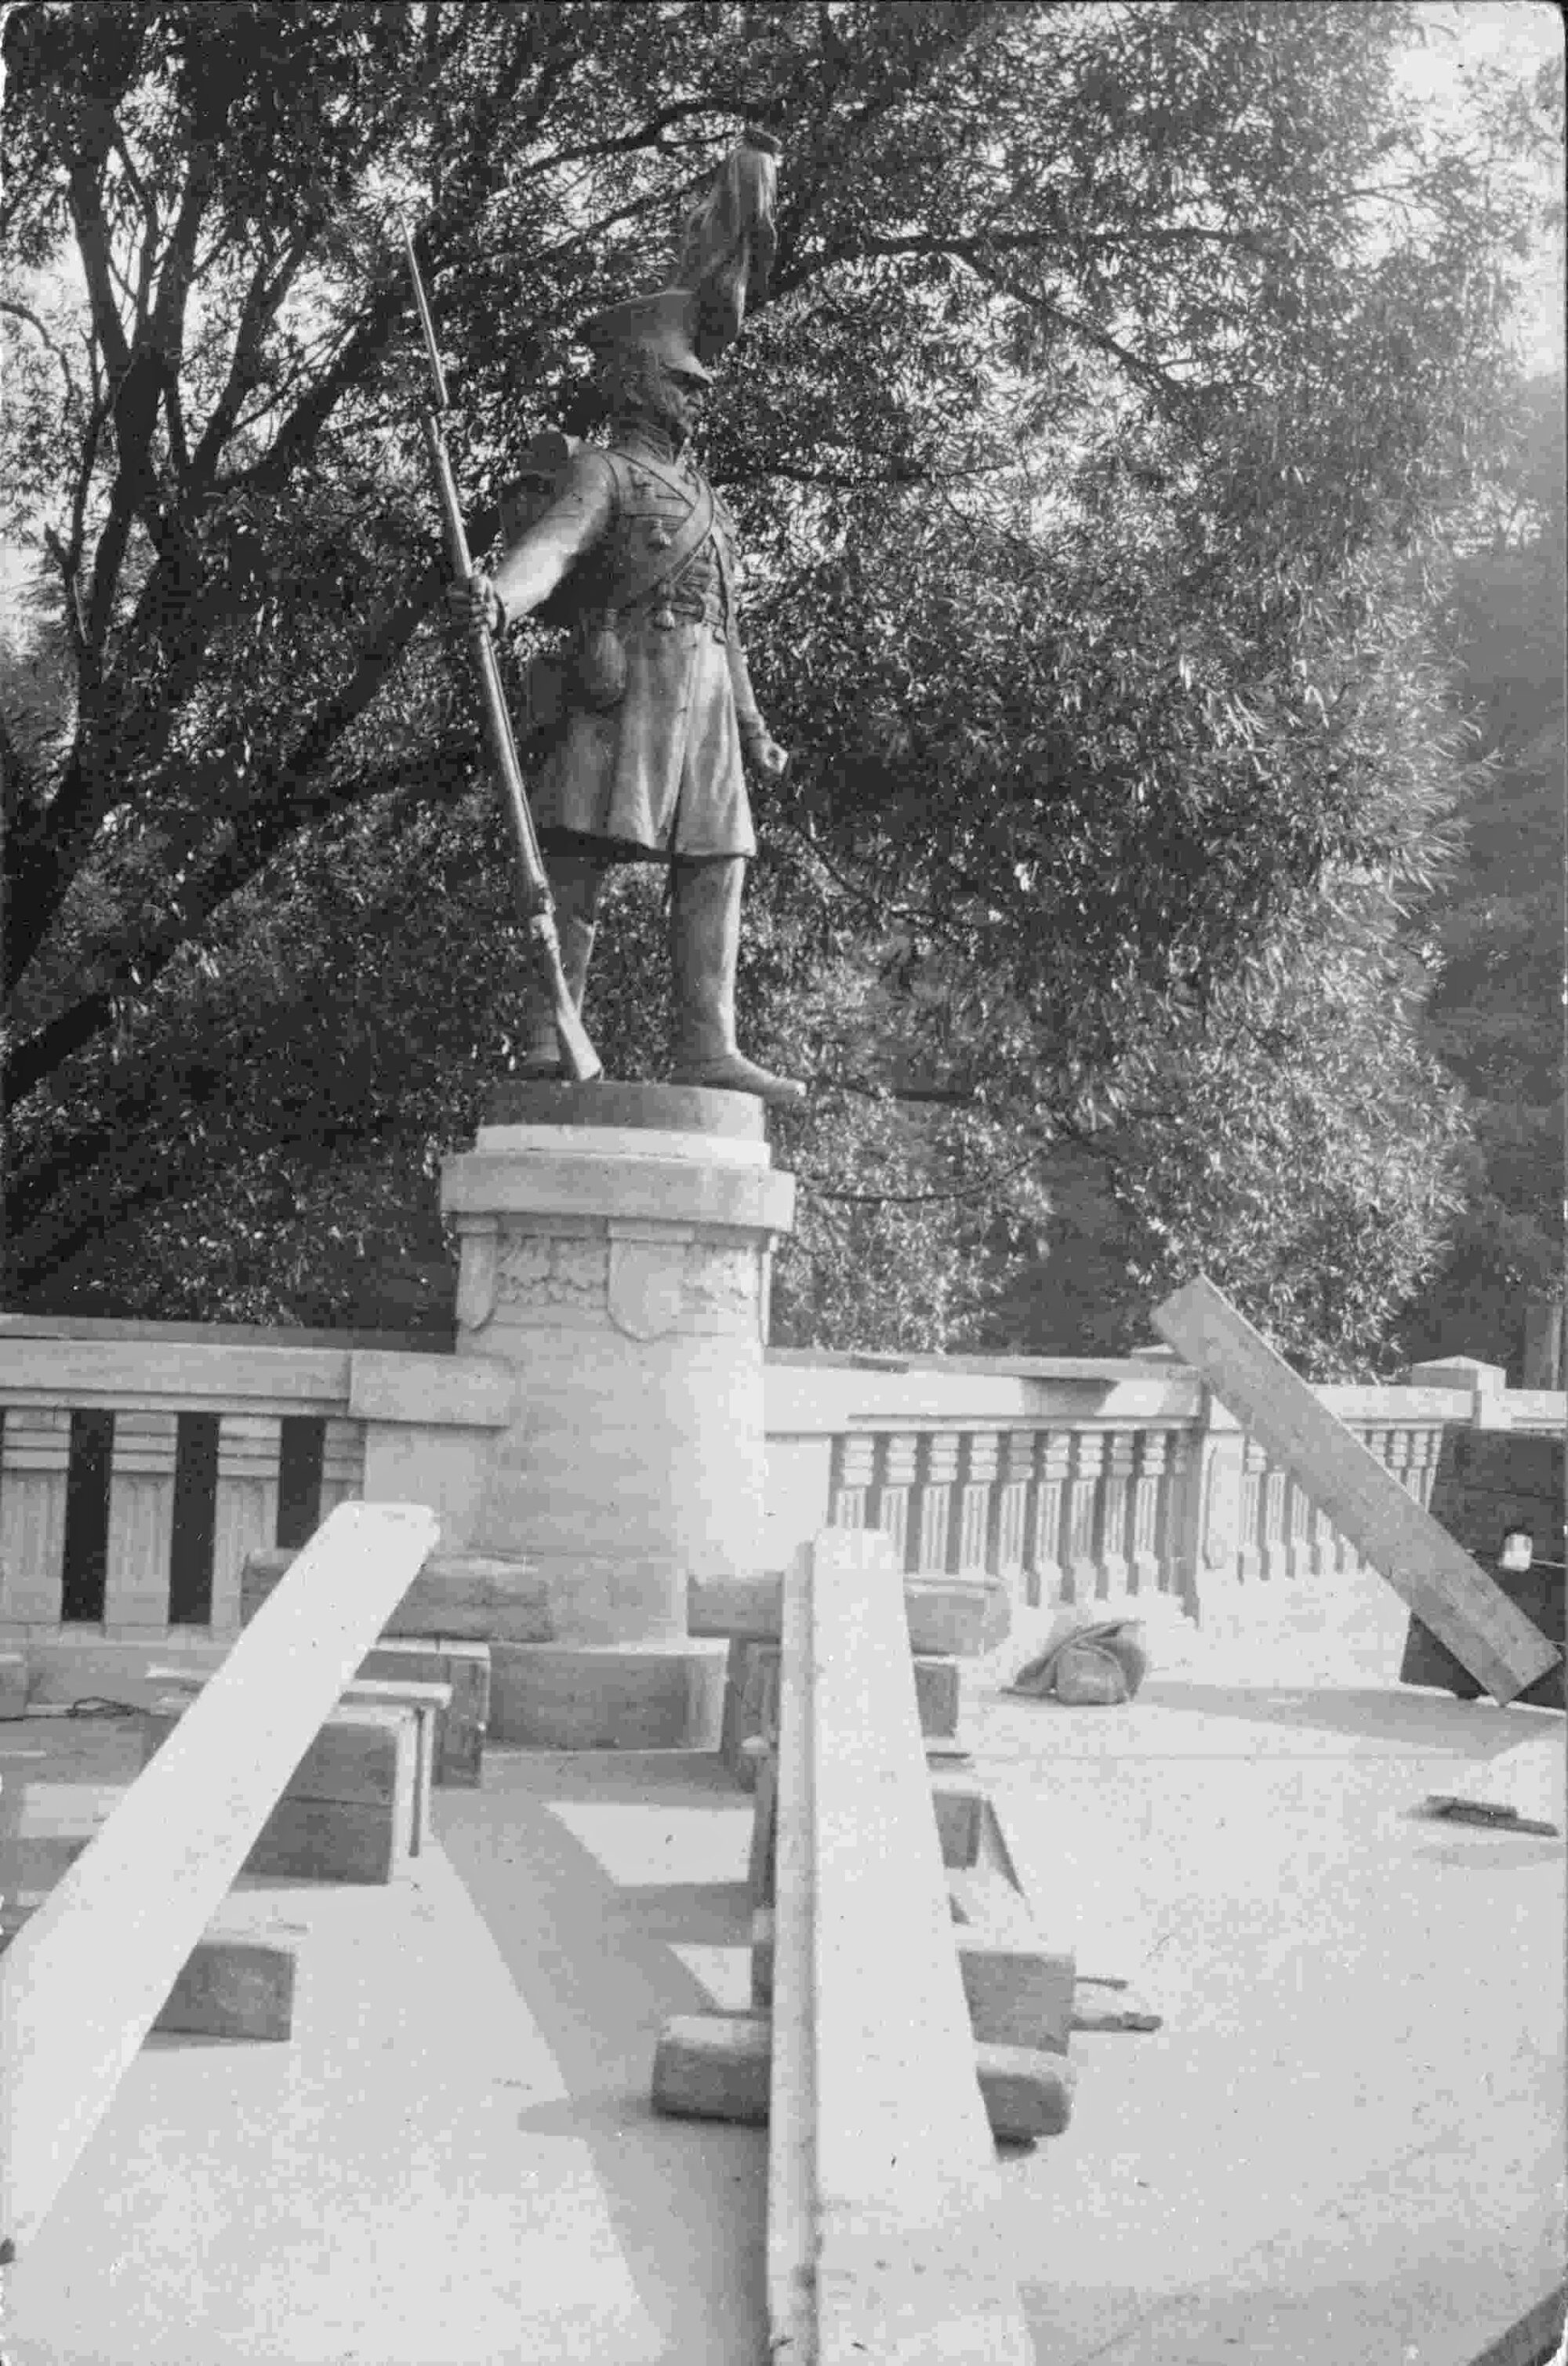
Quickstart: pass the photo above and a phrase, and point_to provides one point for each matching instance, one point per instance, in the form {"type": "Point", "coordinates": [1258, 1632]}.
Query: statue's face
{"type": "Point", "coordinates": [643, 386]}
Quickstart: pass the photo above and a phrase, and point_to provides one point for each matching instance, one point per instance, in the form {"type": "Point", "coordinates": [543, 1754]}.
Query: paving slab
{"type": "Point", "coordinates": [455, 2160]}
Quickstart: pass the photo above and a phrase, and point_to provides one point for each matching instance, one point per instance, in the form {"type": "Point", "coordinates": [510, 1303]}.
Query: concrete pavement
{"type": "Point", "coordinates": [454, 2161]}
{"type": "Point", "coordinates": [1348, 2140]}
{"type": "Point", "coordinates": [1345, 2142]}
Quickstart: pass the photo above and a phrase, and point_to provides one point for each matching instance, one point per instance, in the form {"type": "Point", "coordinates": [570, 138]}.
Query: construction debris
{"type": "Point", "coordinates": [1107, 2004]}
{"type": "Point", "coordinates": [1090, 1661]}
{"type": "Point", "coordinates": [1517, 1792]}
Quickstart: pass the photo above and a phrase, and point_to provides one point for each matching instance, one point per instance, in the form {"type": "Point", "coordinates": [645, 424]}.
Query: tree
{"type": "Point", "coordinates": [1495, 1015]}
{"type": "Point", "coordinates": [1074, 597]}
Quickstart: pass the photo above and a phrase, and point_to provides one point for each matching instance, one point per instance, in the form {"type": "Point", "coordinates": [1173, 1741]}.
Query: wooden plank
{"type": "Point", "coordinates": [84, 1983]}
{"type": "Point", "coordinates": [904, 2258]}
{"type": "Point", "coordinates": [1448, 1591]}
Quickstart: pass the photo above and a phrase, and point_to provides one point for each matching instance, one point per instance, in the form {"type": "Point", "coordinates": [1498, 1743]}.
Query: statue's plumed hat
{"type": "Point", "coordinates": [727, 247]}
{"type": "Point", "coordinates": [663, 324]}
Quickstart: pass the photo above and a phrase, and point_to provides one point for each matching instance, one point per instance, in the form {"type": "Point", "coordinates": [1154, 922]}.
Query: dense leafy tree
{"type": "Point", "coordinates": [1122, 363]}
{"type": "Point", "coordinates": [1494, 1014]}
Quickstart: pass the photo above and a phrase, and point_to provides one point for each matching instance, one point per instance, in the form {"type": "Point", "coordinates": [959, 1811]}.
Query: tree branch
{"type": "Point", "coordinates": [22, 312]}
{"type": "Point", "coordinates": [279, 806]}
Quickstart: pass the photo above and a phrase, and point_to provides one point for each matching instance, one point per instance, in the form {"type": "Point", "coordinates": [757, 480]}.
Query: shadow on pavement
{"type": "Point", "coordinates": [592, 1958]}
{"type": "Point", "coordinates": [1421, 1720]}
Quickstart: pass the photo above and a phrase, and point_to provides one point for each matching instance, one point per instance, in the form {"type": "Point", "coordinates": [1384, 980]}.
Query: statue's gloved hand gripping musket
{"type": "Point", "coordinates": [578, 1056]}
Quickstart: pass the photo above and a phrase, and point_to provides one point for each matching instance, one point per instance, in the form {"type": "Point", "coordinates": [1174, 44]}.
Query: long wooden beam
{"type": "Point", "coordinates": [1448, 1591]}
{"type": "Point", "coordinates": [85, 1980]}
{"type": "Point", "coordinates": [884, 2233]}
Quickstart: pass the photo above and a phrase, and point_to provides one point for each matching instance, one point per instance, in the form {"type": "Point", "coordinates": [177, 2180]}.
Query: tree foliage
{"type": "Point", "coordinates": [1123, 368]}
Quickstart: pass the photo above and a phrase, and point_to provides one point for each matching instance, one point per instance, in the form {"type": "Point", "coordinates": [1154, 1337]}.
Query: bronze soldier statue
{"type": "Point", "coordinates": [644, 759]}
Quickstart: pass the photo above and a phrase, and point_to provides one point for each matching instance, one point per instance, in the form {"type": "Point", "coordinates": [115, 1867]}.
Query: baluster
{"type": "Point", "coordinates": [343, 1463]}
{"type": "Point", "coordinates": [1380, 1443]}
{"type": "Point", "coordinates": [978, 1457]}
{"type": "Point", "coordinates": [1402, 1459]}
{"type": "Point", "coordinates": [1148, 1496]}
{"type": "Point", "coordinates": [855, 1459]}
{"type": "Point", "coordinates": [1181, 1462]}
{"type": "Point", "coordinates": [896, 1461]}
{"type": "Point", "coordinates": [245, 1516]}
{"type": "Point", "coordinates": [1273, 1550]}
{"type": "Point", "coordinates": [35, 1457]}
{"type": "Point", "coordinates": [1116, 1511]}
{"type": "Point", "coordinates": [1007, 1540]}
{"type": "Point", "coordinates": [142, 1522]}
{"type": "Point", "coordinates": [1046, 1579]}
{"type": "Point", "coordinates": [1428, 1445]}
{"type": "Point", "coordinates": [938, 1469]}
{"type": "Point", "coordinates": [1250, 1553]}
{"type": "Point", "coordinates": [1080, 1579]}
{"type": "Point", "coordinates": [1298, 1533]}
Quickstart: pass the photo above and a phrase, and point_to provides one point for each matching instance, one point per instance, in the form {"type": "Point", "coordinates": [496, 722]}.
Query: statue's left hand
{"type": "Point", "coordinates": [770, 759]}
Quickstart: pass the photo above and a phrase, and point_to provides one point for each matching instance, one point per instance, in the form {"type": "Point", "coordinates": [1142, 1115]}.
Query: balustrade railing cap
{"type": "Point", "coordinates": [1458, 1372]}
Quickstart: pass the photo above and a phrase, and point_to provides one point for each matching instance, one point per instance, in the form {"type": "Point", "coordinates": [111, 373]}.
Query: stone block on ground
{"type": "Point", "coordinates": [1018, 1994]}
{"type": "Point", "coordinates": [13, 1683]}
{"type": "Point", "coordinates": [354, 1806]}
{"type": "Point", "coordinates": [236, 1983]}
{"type": "Point", "coordinates": [938, 1695]}
{"type": "Point", "coordinates": [332, 1840]}
{"type": "Point", "coordinates": [719, 2067]}
{"type": "Point", "coordinates": [466, 1668]}
{"type": "Point", "coordinates": [959, 1808]}
{"type": "Point", "coordinates": [714, 2067]}
{"type": "Point", "coordinates": [1027, 2094]}
{"type": "Point", "coordinates": [649, 1696]}
{"type": "Point", "coordinates": [429, 1703]}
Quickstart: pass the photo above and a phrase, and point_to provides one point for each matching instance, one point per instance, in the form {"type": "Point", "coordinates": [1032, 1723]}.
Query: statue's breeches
{"type": "Point", "coordinates": [662, 769]}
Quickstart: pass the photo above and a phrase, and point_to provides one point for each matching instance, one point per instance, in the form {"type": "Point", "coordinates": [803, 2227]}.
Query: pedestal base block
{"type": "Point", "coordinates": [607, 1696]}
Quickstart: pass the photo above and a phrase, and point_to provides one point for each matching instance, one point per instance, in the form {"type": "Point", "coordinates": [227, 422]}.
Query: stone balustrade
{"type": "Point", "coordinates": [141, 1464]}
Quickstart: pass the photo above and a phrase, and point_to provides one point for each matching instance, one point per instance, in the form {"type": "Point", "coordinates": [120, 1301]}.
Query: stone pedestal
{"type": "Point", "coordinates": [615, 1243]}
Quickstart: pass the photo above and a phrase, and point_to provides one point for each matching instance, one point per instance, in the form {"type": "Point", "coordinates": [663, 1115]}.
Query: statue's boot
{"type": "Point", "coordinates": [704, 944]}
{"type": "Point", "coordinates": [576, 882]}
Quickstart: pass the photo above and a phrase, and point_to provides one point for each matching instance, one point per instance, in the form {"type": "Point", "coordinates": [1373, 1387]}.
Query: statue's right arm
{"type": "Point", "coordinates": [541, 559]}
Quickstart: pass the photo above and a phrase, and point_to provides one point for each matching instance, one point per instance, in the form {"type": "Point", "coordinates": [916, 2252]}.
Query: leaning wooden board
{"type": "Point", "coordinates": [82, 1984]}
{"type": "Point", "coordinates": [1448, 1591]}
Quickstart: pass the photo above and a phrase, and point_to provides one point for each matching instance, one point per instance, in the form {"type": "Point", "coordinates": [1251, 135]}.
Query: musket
{"type": "Point", "coordinates": [578, 1058]}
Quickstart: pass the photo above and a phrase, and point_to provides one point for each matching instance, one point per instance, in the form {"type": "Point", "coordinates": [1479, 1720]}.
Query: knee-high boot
{"type": "Point", "coordinates": [704, 944]}
{"type": "Point", "coordinates": [576, 881]}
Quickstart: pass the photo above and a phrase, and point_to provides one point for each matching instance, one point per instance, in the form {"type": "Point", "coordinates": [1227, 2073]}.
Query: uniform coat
{"type": "Point", "coordinates": [659, 773]}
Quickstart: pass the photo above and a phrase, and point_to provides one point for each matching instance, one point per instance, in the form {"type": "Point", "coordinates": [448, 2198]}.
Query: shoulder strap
{"type": "Point", "coordinates": [689, 537]}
